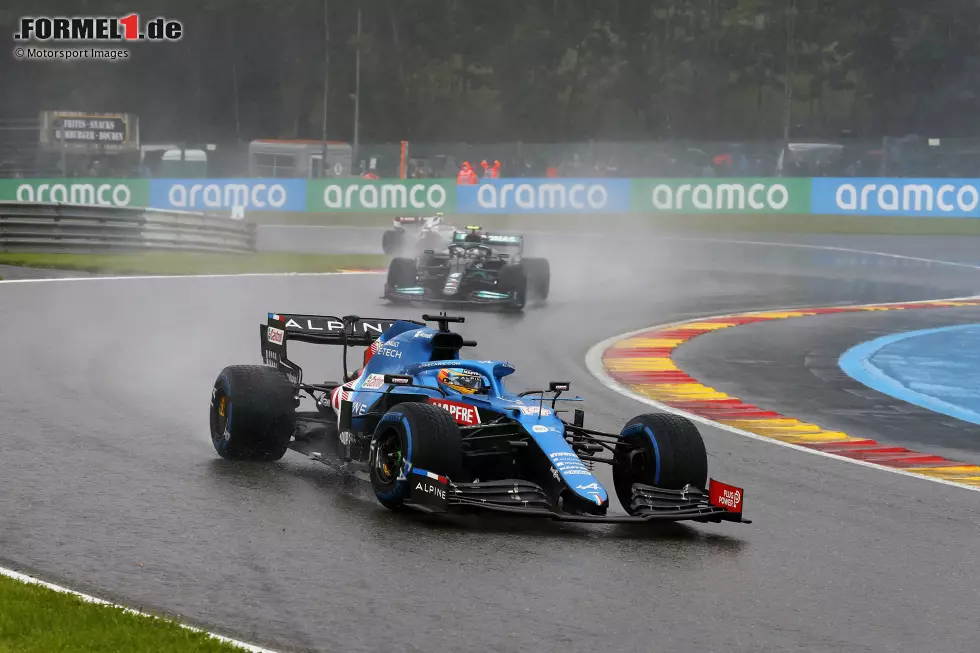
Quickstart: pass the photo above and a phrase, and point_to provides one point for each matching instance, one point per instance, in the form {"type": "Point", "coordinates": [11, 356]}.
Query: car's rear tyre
{"type": "Point", "coordinates": [253, 413]}
{"type": "Point", "coordinates": [658, 449]}
{"type": "Point", "coordinates": [401, 274]}
{"type": "Point", "coordinates": [392, 241]}
{"type": "Point", "coordinates": [412, 435]}
{"type": "Point", "coordinates": [538, 272]}
{"type": "Point", "coordinates": [513, 280]}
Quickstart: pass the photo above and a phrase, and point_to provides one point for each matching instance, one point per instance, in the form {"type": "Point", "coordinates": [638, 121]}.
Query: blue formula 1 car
{"type": "Point", "coordinates": [437, 433]}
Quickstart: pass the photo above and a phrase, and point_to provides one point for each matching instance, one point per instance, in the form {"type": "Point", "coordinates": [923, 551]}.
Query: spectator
{"type": "Point", "coordinates": [467, 175]}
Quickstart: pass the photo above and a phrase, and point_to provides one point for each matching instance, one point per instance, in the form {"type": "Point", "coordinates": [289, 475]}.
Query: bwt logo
{"type": "Point", "coordinates": [101, 195]}
{"type": "Point", "coordinates": [543, 196]}
{"type": "Point", "coordinates": [259, 196]}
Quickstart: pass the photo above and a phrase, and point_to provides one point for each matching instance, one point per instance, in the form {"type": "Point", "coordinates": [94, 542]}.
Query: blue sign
{"type": "Point", "coordinates": [210, 194]}
{"type": "Point", "coordinates": [545, 196]}
{"type": "Point", "coordinates": [944, 198]}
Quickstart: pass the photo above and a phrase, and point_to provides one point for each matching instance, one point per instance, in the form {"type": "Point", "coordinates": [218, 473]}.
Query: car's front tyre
{"type": "Point", "coordinates": [538, 272]}
{"type": "Point", "coordinates": [412, 435]}
{"type": "Point", "coordinates": [513, 280]}
{"type": "Point", "coordinates": [658, 449]}
{"type": "Point", "coordinates": [402, 273]}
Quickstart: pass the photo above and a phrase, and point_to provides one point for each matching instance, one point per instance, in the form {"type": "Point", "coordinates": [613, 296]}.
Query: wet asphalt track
{"type": "Point", "coordinates": [110, 485]}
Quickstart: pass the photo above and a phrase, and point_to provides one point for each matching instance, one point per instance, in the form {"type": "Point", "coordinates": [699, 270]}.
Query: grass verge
{"type": "Point", "coordinates": [666, 222]}
{"type": "Point", "coordinates": [167, 263]}
{"type": "Point", "coordinates": [35, 618]}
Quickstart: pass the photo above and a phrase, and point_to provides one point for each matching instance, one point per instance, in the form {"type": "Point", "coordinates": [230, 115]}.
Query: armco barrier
{"type": "Point", "coordinates": [52, 227]}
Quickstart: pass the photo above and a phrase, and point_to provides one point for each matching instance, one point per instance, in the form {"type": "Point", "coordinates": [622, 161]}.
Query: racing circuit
{"type": "Point", "coordinates": [111, 485]}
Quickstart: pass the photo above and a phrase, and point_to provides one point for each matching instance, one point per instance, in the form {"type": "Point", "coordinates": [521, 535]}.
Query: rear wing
{"type": "Point", "coordinates": [329, 330]}
{"type": "Point", "coordinates": [407, 219]}
{"type": "Point", "coordinates": [498, 240]}
{"type": "Point", "coordinates": [317, 329]}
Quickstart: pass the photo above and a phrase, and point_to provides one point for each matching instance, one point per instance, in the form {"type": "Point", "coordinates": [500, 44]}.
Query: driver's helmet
{"type": "Point", "coordinates": [462, 381]}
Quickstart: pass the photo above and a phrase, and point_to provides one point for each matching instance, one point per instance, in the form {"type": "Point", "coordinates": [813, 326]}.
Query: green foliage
{"type": "Point", "coordinates": [35, 618]}
{"type": "Point", "coordinates": [531, 70]}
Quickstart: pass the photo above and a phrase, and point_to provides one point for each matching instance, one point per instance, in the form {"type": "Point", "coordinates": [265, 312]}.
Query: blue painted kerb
{"type": "Point", "coordinates": [856, 363]}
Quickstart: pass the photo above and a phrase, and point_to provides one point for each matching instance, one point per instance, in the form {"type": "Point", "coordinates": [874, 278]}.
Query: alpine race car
{"type": "Point", "coordinates": [437, 433]}
{"type": "Point", "coordinates": [432, 232]}
{"type": "Point", "coordinates": [474, 269]}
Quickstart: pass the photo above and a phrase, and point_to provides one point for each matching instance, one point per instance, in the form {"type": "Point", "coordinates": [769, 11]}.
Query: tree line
{"type": "Point", "coordinates": [523, 70]}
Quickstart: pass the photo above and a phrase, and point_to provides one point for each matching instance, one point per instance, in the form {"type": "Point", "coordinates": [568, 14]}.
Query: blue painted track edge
{"type": "Point", "coordinates": [856, 363]}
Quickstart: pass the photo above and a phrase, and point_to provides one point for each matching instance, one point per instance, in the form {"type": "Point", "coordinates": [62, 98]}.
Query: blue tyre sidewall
{"type": "Point", "coordinates": [218, 440]}
{"type": "Point", "coordinates": [638, 429]}
{"type": "Point", "coordinates": [400, 490]}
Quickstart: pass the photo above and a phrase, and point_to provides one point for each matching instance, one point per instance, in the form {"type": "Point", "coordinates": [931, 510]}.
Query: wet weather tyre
{"type": "Point", "coordinates": [401, 274]}
{"type": "Point", "coordinates": [513, 280]}
{"type": "Point", "coordinates": [253, 413]}
{"type": "Point", "coordinates": [392, 241]}
{"type": "Point", "coordinates": [538, 272]}
{"type": "Point", "coordinates": [422, 435]}
{"type": "Point", "coordinates": [658, 449]}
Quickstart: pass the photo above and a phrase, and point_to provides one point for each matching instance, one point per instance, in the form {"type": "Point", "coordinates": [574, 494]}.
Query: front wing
{"type": "Point", "coordinates": [431, 297]}
{"type": "Point", "coordinates": [438, 494]}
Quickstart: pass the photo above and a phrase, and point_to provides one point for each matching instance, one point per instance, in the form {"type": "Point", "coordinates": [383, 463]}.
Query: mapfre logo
{"type": "Point", "coordinates": [462, 413]}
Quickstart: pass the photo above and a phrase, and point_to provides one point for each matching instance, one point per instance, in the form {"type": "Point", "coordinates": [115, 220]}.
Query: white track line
{"type": "Point", "coordinates": [24, 578]}
{"type": "Point", "coordinates": [593, 361]}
